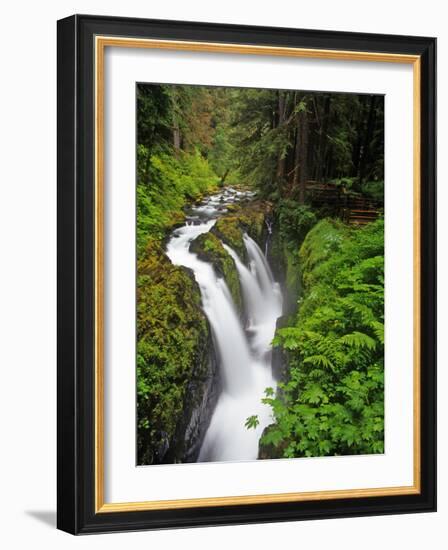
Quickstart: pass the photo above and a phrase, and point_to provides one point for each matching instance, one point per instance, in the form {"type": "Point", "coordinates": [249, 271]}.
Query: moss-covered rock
{"type": "Point", "coordinates": [247, 218]}
{"type": "Point", "coordinates": [252, 218]}
{"type": "Point", "coordinates": [268, 451]}
{"type": "Point", "coordinates": [323, 240]}
{"type": "Point", "coordinates": [229, 230]}
{"type": "Point", "coordinates": [209, 248]}
{"type": "Point", "coordinates": [174, 356]}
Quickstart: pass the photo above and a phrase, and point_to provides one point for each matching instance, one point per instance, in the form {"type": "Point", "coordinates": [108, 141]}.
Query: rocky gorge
{"type": "Point", "coordinates": [190, 379]}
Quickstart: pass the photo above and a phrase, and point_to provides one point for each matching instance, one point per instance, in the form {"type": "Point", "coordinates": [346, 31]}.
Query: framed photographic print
{"type": "Point", "coordinates": [246, 274]}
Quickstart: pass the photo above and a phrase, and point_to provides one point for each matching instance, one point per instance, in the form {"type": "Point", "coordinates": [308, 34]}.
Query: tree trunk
{"type": "Point", "coordinates": [149, 142]}
{"type": "Point", "coordinates": [223, 179]}
{"type": "Point", "coordinates": [358, 151]}
{"type": "Point", "coordinates": [365, 157]}
{"type": "Point", "coordinates": [281, 121]}
{"type": "Point", "coordinates": [322, 150]}
{"type": "Point", "coordinates": [175, 121]}
{"type": "Point", "coordinates": [295, 181]}
{"type": "Point", "coordinates": [303, 154]}
{"type": "Point", "coordinates": [176, 137]}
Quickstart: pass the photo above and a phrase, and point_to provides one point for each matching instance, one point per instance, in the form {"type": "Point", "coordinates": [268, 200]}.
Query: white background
{"type": "Point", "coordinates": [28, 273]}
{"type": "Point", "coordinates": [123, 481]}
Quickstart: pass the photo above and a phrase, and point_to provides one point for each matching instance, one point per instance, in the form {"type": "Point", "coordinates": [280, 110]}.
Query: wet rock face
{"type": "Point", "coordinates": [275, 251]}
{"type": "Point", "coordinates": [279, 358]}
{"type": "Point", "coordinates": [269, 451]}
{"type": "Point", "coordinates": [198, 391]}
{"type": "Point", "coordinates": [200, 399]}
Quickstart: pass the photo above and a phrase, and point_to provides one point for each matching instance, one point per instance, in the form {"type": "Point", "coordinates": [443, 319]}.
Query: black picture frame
{"type": "Point", "coordinates": [76, 255]}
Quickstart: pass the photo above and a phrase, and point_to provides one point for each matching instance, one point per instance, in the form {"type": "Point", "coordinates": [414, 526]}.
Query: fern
{"type": "Point", "coordinates": [358, 340]}
{"type": "Point", "coordinates": [333, 400]}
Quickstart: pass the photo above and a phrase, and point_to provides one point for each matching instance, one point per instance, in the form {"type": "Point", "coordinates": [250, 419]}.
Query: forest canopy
{"type": "Point", "coordinates": [274, 139]}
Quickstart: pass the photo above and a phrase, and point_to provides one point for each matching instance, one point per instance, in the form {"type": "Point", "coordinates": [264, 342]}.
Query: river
{"type": "Point", "coordinates": [244, 352]}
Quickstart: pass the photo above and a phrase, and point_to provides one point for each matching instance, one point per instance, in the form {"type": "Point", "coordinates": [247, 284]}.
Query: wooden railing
{"type": "Point", "coordinates": [354, 209]}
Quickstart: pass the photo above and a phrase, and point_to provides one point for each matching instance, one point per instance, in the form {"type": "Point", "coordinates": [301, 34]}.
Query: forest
{"type": "Point", "coordinates": [286, 187]}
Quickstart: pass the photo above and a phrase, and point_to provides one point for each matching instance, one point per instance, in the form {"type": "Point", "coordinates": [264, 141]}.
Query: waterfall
{"type": "Point", "coordinates": [268, 238]}
{"type": "Point", "coordinates": [253, 297]}
{"type": "Point", "coordinates": [218, 307]}
{"type": "Point", "coordinates": [259, 264]}
{"type": "Point", "coordinates": [263, 305]}
{"type": "Point", "coordinates": [243, 352]}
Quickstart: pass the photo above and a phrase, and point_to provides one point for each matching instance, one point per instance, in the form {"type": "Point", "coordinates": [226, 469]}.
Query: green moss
{"type": "Point", "coordinates": [172, 349]}
{"type": "Point", "coordinates": [246, 218]}
{"type": "Point", "coordinates": [292, 274]}
{"type": "Point", "coordinates": [252, 218]}
{"type": "Point", "coordinates": [209, 248]}
{"type": "Point", "coordinates": [172, 182]}
{"type": "Point", "coordinates": [228, 229]}
{"type": "Point", "coordinates": [321, 242]}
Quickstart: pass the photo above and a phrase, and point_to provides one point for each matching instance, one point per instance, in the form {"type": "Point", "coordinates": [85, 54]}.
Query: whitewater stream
{"type": "Point", "coordinates": [244, 352]}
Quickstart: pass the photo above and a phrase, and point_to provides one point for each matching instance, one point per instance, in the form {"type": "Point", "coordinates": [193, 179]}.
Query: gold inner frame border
{"type": "Point", "coordinates": [101, 42]}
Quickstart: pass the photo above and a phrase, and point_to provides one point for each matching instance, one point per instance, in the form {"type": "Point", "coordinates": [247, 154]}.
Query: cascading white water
{"type": "Point", "coordinates": [243, 355]}
{"type": "Point", "coordinates": [254, 303]}
{"type": "Point", "coordinates": [263, 305]}
{"type": "Point", "coordinates": [259, 265]}
{"type": "Point", "coordinates": [219, 308]}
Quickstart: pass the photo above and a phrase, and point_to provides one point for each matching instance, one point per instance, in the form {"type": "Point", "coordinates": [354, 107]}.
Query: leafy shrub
{"type": "Point", "coordinates": [333, 400]}
{"type": "Point", "coordinates": [348, 183]}
{"type": "Point", "coordinates": [374, 190]}
{"type": "Point", "coordinates": [172, 332]}
{"type": "Point", "coordinates": [295, 220]}
{"type": "Point", "coordinates": [173, 180]}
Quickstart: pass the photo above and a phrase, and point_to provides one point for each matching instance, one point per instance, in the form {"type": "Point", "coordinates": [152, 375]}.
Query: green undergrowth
{"type": "Point", "coordinates": [172, 348]}
{"type": "Point", "coordinates": [172, 331]}
{"type": "Point", "coordinates": [173, 181]}
{"type": "Point", "coordinates": [332, 402]}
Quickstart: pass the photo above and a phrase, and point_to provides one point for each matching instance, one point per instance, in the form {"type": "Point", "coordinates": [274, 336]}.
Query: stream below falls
{"type": "Point", "coordinates": [244, 352]}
